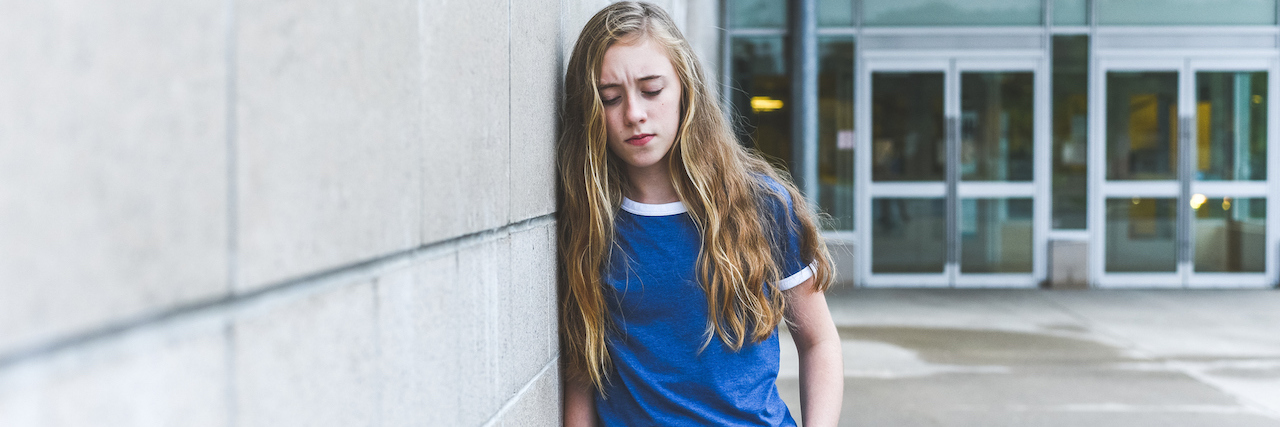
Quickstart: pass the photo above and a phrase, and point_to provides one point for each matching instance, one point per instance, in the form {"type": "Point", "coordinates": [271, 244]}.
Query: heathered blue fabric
{"type": "Point", "coordinates": [660, 378]}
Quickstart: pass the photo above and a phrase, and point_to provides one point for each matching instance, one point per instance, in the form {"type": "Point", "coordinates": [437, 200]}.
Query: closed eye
{"type": "Point", "coordinates": [612, 101]}
{"type": "Point", "coordinates": [653, 93]}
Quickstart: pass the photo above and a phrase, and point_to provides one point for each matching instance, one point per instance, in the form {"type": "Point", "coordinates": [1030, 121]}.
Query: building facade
{"type": "Point", "coordinates": [1019, 143]}
{"type": "Point", "coordinates": [230, 213]}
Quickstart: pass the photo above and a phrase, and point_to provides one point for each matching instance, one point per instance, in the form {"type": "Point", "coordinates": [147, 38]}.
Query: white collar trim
{"type": "Point", "coordinates": [647, 209]}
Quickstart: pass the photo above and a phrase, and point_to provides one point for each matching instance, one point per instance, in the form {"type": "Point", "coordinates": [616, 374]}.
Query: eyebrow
{"type": "Point", "coordinates": [643, 79]}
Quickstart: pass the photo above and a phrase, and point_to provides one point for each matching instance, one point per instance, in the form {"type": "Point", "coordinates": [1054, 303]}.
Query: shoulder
{"type": "Point", "coordinates": [771, 185]}
{"type": "Point", "coordinates": [774, 197]}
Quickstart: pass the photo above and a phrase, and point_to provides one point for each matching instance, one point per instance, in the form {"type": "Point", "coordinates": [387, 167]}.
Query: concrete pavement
{"type": "Point", "coordinates": [1169, 358]}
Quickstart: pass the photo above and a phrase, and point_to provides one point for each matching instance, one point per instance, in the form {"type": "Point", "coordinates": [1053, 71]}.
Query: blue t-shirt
{"type": "Point", "coordinates": [659, 376]}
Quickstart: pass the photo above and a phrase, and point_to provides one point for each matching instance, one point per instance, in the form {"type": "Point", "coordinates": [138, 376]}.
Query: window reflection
{"type": "Point", "coordinates": [909, 235]}
{"type": "Point", "coordinates": [995, 235]}
{"type": "Point", "coordinates": [1141, 235]}
{"type": "Point", "coordinates": [1142, 125]}
{"type": "Point", "coordinates": [907, 134]}
{"type": "Point", "coordinates": [1231, 126]}
{"type": "Point", "coordinates": [761, 97]}
{"type": "Point", "coordinates": [835, 130]}
{"type": "Point", "coordinates": [1187, 12]}
{"type": "Point", "coordinates": [835, 13]}
{"type": "Point", "coordinates": [951, 12]}
{"type": "Point", "coordinates": [1070, 131]}
{"type": "Point", "coordinates": [1070, 12]}
{"type": "Point", "coordinates": [757, 13]}
{"type": "Point", "coordinates": [1230, 235]}
{"type": "Point", "coordinates": [997, 121]}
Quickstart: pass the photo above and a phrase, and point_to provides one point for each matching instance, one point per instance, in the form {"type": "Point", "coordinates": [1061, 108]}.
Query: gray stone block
{"type": "Point", "coordinates": [526, 309]}
{"type": "Point", "coordinates": [309, 362]}
{"type": "Point", "coordinates": [441, 335]}
{"type": "Point", "coordinates": [535, 99]}
{"type": "Point", "coordinates": [475, 319]}
{"type": "Point", "coordinates": [418, 346]}
{"type": "Point", "coordinates": [328, 135]}
{"type": "Point", "coordinates": [112, 155]}
{"type": "Point", "coordinates": [539, 405]}
{"type": "Point", "coordinates": [148, 381]}
{"type": "Point", "coordinates": [1068, 264]}
{"type": "Point", "coordinates": [553, 298]}
{"type": "Point", "coordinates": [467, 96]}
{"type": "Point", "coordinates": [574, 16]}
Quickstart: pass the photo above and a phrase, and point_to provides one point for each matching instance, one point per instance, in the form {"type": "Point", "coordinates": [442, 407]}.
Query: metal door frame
{"type": "Point", "coordinates": [952, 64]}
{"type": "Point", "coordinates": [1186, 64]}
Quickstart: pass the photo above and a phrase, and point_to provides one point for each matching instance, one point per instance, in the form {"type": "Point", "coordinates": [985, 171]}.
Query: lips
{"type": "Point", "coordinates": [640, 139]}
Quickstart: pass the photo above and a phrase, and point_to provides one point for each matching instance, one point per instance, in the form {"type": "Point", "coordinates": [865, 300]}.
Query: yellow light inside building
{"type": "Point", "coordinates": [1226, 204]}
{"type": "Point", "coordinates": [1136, 200]}
{"type": "Point", "coordinates": [1257, 99]}
{"type": "Point", "coordinates": [1197, 200]}
{"type": "Point", "coordinates": [764, 104]}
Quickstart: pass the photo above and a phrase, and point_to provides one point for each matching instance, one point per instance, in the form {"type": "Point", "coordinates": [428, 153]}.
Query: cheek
{"type": "Point", "coordinates": [611, 123]}
{"type": "Point", "coordinates": [671, 110]}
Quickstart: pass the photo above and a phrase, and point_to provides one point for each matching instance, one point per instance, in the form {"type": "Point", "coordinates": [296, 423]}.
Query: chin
{"type": "Point", "coordinates": [643, 158]}
{"type": "Point", "coordinates": [642, 164]}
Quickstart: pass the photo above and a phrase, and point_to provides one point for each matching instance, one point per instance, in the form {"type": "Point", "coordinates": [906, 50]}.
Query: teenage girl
{"type": "Point", "coordinates": [680, 251]}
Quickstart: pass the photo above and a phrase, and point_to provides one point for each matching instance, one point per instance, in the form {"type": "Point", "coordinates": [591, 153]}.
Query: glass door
{"type": "Point", "coordinates": [1183, 200]}
{"type": "Point", "coordinates": [948, 185]}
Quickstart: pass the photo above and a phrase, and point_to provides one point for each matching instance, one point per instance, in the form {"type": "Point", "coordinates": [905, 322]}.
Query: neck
{"type": "Point", "coordinates": [652, 184]}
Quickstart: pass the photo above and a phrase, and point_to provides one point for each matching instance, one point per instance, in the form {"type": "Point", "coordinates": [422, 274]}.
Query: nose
{"type": "Point", "coordinates": [635, 111]}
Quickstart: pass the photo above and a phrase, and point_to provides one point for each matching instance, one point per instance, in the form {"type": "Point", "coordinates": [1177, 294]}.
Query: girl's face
{"type": "Point", "coordinates": [641, 96]}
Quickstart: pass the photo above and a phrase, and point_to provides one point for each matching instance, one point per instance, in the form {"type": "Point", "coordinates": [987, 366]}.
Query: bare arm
{"type": "Point", "coordinates": [579, 404]}
{"type": "Point", "coordinates": [821, 364]}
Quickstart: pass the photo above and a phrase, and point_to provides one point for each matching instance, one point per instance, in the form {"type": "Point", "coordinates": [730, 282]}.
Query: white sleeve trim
{"type": "Point", "coordinates": [650, 209]}
{"type": "Point", "coordinates": [796, 279]}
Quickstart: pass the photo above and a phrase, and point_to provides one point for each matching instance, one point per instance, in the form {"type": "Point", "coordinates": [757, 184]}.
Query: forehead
{"type": "Point", "coordinates": [627, 62]}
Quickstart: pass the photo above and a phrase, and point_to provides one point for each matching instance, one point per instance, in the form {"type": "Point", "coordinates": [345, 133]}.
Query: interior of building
{"type": "Point", "coordinates": [1023, 143]}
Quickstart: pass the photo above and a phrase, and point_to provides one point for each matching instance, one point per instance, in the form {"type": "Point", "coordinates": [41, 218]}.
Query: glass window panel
{"type": "Point", "coordinates": [907, 132]}
{"type": "Point", "coordinates": [1186, 12]}
{"type": "Point", "coordinates": [1141, 235]}
{"type": "Point", "coordinates": [995, 235]}
{"type": "Point", "coordinates": [950, 12]}
{"type": "Point", "coordinates": [835, 13]}
{"type": "Point", "coordinates": [1142, 125]}
{"type": "Point", "coordinates": [761, 95]}
{"type": "Point", "coordinates": [835, 130]}
{"type": "Point", "coordinates": [1231, 126]}
{"type": "Point", "coordinates": [908, 235]}
{"type": "Point", "coordinates": [996, 126]}
{"type": "Point", "coordinates": [1230, 234]}
{"type": "Point", "coordinates": [1070, 12]}
{"type": "Point", "coordinates": [757, 13]}
{"type": "Point", "coordinates": [1070, 131]}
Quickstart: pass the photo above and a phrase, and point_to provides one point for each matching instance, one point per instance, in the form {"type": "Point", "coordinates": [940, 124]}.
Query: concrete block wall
{"type": "Point", "coordinates": [287, 212]}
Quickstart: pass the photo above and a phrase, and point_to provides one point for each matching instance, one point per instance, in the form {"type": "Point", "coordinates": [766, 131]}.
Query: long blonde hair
{"type": "Point", "coordinates": [724, 186]}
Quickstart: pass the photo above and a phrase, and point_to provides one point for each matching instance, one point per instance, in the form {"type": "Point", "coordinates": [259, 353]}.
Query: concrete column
{"type": "Point", "coordinates": [803, 25]}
